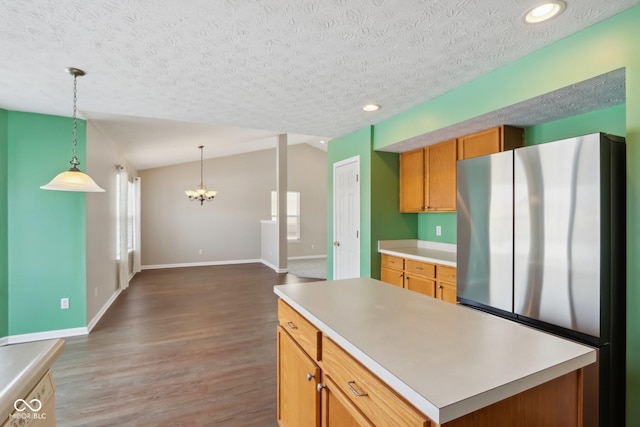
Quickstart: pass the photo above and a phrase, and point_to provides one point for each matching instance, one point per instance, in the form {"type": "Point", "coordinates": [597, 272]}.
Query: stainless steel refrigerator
{"type": "Point", "coordinates": [541, 240]}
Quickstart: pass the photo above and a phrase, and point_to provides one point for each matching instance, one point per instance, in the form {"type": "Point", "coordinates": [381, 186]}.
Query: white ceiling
{"type": "Point", "coordinates": [165, 76]}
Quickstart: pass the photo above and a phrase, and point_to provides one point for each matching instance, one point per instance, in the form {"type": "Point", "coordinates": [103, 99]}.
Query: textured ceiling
{"type": "Point", "coordinates": [303, 67]}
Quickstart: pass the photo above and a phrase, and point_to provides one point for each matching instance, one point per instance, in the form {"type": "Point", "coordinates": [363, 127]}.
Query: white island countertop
{"type": "Point", "coordinates": [420, 250]}
{"type": "Point", "coordinates": [445, 359]}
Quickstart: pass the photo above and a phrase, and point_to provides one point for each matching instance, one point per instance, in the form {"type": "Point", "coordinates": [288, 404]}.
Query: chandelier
{"type": "Point", "coordinates": [73, 179]}
{"type": "Point", "coordinates": [201, 193]}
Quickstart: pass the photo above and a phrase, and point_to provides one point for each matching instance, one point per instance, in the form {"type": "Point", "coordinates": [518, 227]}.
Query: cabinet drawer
{"type": "Point", "coordinates": [368, 393]}
{"type": "Point", "coordinates": [305, 334]}
{"type": "Point", "coordinates": [393, 262]}
{"type": "Point", "coordinates": [421, 268]}
{"type": "Point", "coordinates": [447, 274]}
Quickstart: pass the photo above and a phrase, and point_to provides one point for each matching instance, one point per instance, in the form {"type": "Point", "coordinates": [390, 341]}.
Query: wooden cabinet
{"type": "Point", "coordinates": [366, 392]}
{"type": "Point", "coordinates": [428, 178]}
{"type": "Point", "coordinates": [412, 181]}
{"type": "Point", "coordinates": [420, 277]}
{"type": "Point", "coordinates": [298, 373]}
{"type": "Point", "coordinates": [446, 284]}
{"type": "Point", "coordinates": [440, 175]}
{"type": "Point", "coordinates": [489, 141]}
{"type": "Point", "coordinates": [392, 270]}
{"type": "Point", "coordinates": [337, 409]}
{"type": "Point", "coordinates": [434, 280]}
{"type": "Point", "coordinates": [298, 400]}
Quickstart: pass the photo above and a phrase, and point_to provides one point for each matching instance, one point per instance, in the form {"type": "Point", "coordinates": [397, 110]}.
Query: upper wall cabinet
{"type": "Point", "coordinates": [489, 141]}
{"type": "Point", "coordinates": [428, 178]}
{"type": "Point", "coordinates": [428, 174]}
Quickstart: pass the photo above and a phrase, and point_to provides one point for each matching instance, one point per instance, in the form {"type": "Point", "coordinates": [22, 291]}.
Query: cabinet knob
{"type": "Point", "coordinates": [400, 275]}
{"type": "Point", "coordinates": [320, 386]}
{"type": "Point", "coordinates": [439, 286]}
{"type": "Point", "coordinates": [310, 376]}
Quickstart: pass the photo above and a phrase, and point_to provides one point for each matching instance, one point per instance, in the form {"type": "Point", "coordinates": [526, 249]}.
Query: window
{"type": "Point", "coordinates": [293, 213]}
{"type": "Point", "coordinates": [131, 215]}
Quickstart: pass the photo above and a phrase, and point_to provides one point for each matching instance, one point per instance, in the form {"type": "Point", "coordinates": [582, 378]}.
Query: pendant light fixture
{"type": "Point", "coordinates": [74, 179]}
{"type": "Point", "coordinates": [201, 193]}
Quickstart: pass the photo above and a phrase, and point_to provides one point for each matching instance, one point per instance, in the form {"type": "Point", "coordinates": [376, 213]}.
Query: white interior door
{"type": "Point", "coordinates": [346, 218]}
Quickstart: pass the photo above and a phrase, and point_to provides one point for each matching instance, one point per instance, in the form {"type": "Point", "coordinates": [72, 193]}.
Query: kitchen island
{"type": "Point", "coordinates": [452, 364]}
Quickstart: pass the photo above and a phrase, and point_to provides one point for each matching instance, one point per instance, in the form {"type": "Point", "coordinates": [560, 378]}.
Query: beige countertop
{"type": "Point", "coordinates": [447, 360]}
{"type": "Point", "coordinates": [420, 250]}
{"type": "Point", "coordinates": [21, 367]}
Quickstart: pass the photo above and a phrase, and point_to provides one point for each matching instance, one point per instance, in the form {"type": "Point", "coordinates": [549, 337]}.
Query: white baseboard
{"type": "Point", "coordinates": [273, 267]}
{"type": "Point", "coordinates": [47, 335]}
{"type": "Point", "coordinates": [200, 264]}
{"type": "Point", "coordinates": [4, 341]}
{"type": "Point", "coordinates": [103, 310]}
{"type": "Point", "coordinates": [307, 257]}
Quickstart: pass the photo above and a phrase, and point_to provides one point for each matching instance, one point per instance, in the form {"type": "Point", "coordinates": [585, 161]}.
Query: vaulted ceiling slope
{"type": "Point", "coordinates": [271, 66]}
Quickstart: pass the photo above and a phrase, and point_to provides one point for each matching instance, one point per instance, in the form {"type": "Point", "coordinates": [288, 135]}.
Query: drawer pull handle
{"type": "Point", "coordinates": [350, 384]}
{"type": "Point", "coordinates": [291, 325]}
{"type": "Point", "coordinates": [310, 376]}
{"type": "Point", "coordinates": [418, 268]}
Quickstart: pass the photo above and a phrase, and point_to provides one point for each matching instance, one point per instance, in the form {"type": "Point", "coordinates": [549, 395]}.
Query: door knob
{"type": "Point", "coordinates": [336, 243]}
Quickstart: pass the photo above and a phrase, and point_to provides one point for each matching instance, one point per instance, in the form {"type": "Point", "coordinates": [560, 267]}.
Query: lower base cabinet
{"type": "Point", "coordinates": [298, 398]}
{"type": "Point", "coordinates": [335, 390]}
{"type": "Point", "coordinates": [337, 409]}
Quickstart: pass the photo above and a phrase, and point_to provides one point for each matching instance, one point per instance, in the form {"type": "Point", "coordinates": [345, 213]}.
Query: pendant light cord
{"type": "Point", "coordinates": [74, 159]}
{"type": "Point", "coordinates": [201, 166]}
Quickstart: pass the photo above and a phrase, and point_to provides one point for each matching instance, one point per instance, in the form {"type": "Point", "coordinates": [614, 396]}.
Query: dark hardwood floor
{"type": "Point", "coordinates": [180, 347]}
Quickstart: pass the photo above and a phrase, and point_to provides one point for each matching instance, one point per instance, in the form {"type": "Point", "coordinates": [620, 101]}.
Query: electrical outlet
{"type": "Point", "coordinates": [200, 252]}
{"type": "Point", "coordinates": [438, 230]}
{"type": "Point", "coordinates": [64, 303]}
{"type": "Point", "coordinates": [313, 246]}
{"type": "Point", "coordinates": [96, 291]}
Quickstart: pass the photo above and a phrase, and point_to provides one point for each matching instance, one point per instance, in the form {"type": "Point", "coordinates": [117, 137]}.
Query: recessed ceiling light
{"type": "Point", "coordinates": [371, 107]}
{"type": "Point", "coordinates": [545, 11]}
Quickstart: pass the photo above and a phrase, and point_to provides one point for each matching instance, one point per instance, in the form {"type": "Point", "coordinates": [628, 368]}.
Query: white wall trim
{"type": "Point", "coordinates": [47, 335]}
{"type": "Point", "coordinates": [103, 310]}
{"type": "Point", "coordinates": [200, 264]}
{"type": "Point", "coordinates": [273, 267]}
{"type": "Point", "coordinates": [4, 341]}
{"type": "Point", "coordinates": [308, 257]}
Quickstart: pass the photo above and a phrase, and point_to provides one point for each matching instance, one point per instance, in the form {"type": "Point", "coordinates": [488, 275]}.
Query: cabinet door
{"type": "Point", "coordinates": [392, 277]}
{"type": "Point", "coordinates": [446, 292]}
{"type": "Point", "coordinates": [337, 409]}
{"type": "Point", "coordinates": [440, 161]}
{"type": "Point", "coordinates": [480, 143]}
{"type": "Point", "coordinates": [298, 399]}
{"type": "Point", "coordinates": [420, 284]}
{"type": "Point", "coordinates": [412, 181]}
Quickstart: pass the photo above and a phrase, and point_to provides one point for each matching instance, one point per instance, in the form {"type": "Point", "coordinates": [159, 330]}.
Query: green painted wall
{"type": "Point", "coordinates": [4, 269]}
{"type": "Point", "coordinates": [379, 215]}
{"type": "Point", "coordinates": [611, 120]}
{"type": "Point", "coordinates": [427, 223]}
{"type": "Point", "coordinates": [387, 223]}
{"type": "Point", "coordinates": [47, 229]}
{"type": "Point", "coordinates": [601, 48]}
